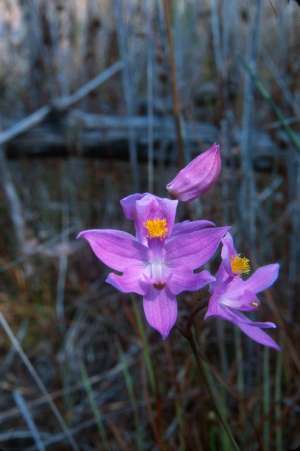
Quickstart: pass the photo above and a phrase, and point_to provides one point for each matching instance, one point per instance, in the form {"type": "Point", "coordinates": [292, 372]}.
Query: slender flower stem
{"type": "Point", "coordinates": [16, 344]}
{"type": "Point", "coordinates": [203, 371]}
{"type": "Point", "coordinates": [266, 398]}
{"type": "Point", "coordinates": [278, 400]}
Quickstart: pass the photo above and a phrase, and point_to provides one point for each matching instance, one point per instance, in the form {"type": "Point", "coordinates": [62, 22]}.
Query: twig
{"type": "Point", "coordinates": [8, 359]}
{"type": "Point", "coordinates": [216, 34]}
{"type": "Point", "coordinates": [37, 380]}
{"type": "Point", "coordinates": [62, 275]}
{"type": "Point", "coordinates": [248, 189]}
{"type": "Point", "coordinates": [109, 375]}
{"type": "Point", "coordinates": [128, 88]}
{"type": "Point", "coordinates": [150, 96]}
{"type": "Point", "coordinates": [15, 208]}
{"type": "Point", "coordinates": [60, 105]}
{"type": "Point", "coordinates": [64, 103]}
{"type": "Point", "coordinates": [13, 200]}
{"type": "Point", "coordinates": [60, 289]}
{"type": "Point", "coordinates": [175, 95]}
{"type": "Point", "coordinates": [21, 403]}
{"type": "Point", "coordinates": [25, 124]}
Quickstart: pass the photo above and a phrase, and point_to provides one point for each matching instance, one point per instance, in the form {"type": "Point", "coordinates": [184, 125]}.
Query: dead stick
{"type": "Point", "coordinates": [61, 104]}
{"type": "Point", "coordinates": [175, 95]}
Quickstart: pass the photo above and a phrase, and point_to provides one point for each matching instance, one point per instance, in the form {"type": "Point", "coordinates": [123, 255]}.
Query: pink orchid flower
{"type": "Point", "coordinates": [159, 262]}
{"type": "Point", "coordinates": [232, 295]}
{"type": "Point", "coordinates": [198, 176]}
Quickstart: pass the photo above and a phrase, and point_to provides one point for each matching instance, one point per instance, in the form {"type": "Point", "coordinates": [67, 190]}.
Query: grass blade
{"type": "Point", "coordinates": [95, 409]}
{"type": "Point", "coordinates": [267, 96]}
{"type": "Point", "coordinates": [266, 398]}
{"type": "Point", "coordinates": [130, 389]}
{"type": "Point", "coordinates": [278, 400]}
{"type": "Point", "coordinates": [21, 403]}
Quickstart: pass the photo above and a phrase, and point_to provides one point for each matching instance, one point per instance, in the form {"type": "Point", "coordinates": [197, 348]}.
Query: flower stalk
{"type": "Point", "coordinates": [203, 370]}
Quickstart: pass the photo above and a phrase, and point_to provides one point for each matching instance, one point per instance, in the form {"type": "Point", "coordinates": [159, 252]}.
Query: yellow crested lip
{"type": "Point", "coordinates": [156, 228]}
{"type": "Point", "coordinates": [240, 265]}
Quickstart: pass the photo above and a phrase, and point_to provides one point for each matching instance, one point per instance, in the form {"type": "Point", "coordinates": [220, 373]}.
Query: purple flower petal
{"type": "Point", "coordinates": [247, 301]}
{"type": "Point", "coordinates": [160, 309]}
{"type": "Point", "coordinates": [256, 334]}
{"type": "Point", "coordinates": [262, 278]}
{"type": "Point", "coordinates": [231, 295]}
{"type": "Point", "coordinates": [118, 250]}
{"type": "Point", "coordinates": [129, 205]}
{"type": "Point", "coordinates": [194, 249]}
{"type": "Point", "coordinates": [222, 275]}
{"type": "Point", "coordinates": [128, 282]}
{"type": "Point", "coordinates": [228, 249]}
{"type": "Point", "coordinates": [153, 207]}
{"type": "Point", "coordinates": [198, 176]}
{"type": "Point", "coordinates": [214, 308]}
{"type": "Point", "coordinates": [238, 318]}
{"type": "Point", "coordinates": [253, 329]}
{"type": "Point", "coordinates": [191, 226]}
{"type": "Point", "coordinates": [185, 280]}
{"type": "Point", "coordinates": [250, 328]}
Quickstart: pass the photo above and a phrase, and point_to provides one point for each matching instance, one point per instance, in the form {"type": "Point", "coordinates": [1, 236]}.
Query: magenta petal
{"type": "Point", "coordinates": [250, 328]}
{"type": "Point", "coordinates": [222, 275]}
{"type": "Point", "coordinates": [214, 308]}
{"type": "Point", "coordinates": [153, 207]}
{"type": "Point", "coordinates": [129, 205]}
{"type": "Point", "coordinates": [118, 250]}
{"type": "Point", "coordinates": [189, 281]}
{"type": "Point", "coordinates": [194, 249]}
{"type": "Point", "coordinates": [228, 249]}
{"type": "Point", "coordinates": [128, 282]}
{"type": "Point", "coordinates": [191, 226]}
{"type": "Point", "coordinates": [160, 309]}
{"type": "Point", "coordinates": [249, 302]}
{"type": "Point", "coordinates": [238, 319]}
{"type": "Point", "coordinates": [241, 302]}
{"type": "Point", "coordinates": [258, 335]}
{"type": "Point", "coordinates": [262, 278]}
{"type": "Point", "coordinates": [198, 176]}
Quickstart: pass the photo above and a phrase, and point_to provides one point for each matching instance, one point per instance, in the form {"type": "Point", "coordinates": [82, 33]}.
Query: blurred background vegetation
{"type": "Point", "coordinates": [102, 98]}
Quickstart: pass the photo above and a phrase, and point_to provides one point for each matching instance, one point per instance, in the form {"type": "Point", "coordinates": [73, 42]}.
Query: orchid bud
{"type": "Point", "coordinates": [198, 176]}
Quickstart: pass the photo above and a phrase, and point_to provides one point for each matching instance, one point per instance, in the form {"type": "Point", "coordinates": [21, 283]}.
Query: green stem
{"type": "Point", "coordinates": [96, 411]}
{"type": "Point", "coordinates": [129, 381]}
{"type": "Point", "coordinates": [203, 369]}
{"type": "Point", "coordinates": [278, 401]}
{"type": "Point", "coordinates": [266, 400]}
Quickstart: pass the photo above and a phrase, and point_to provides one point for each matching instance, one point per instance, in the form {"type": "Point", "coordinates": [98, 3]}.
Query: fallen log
{"type": "Point", "coordinates": [100, 136]}
{"type": "Point", "coordinates": [78, 133]}
{"type": "Point", "coordinates": [85, 134]}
